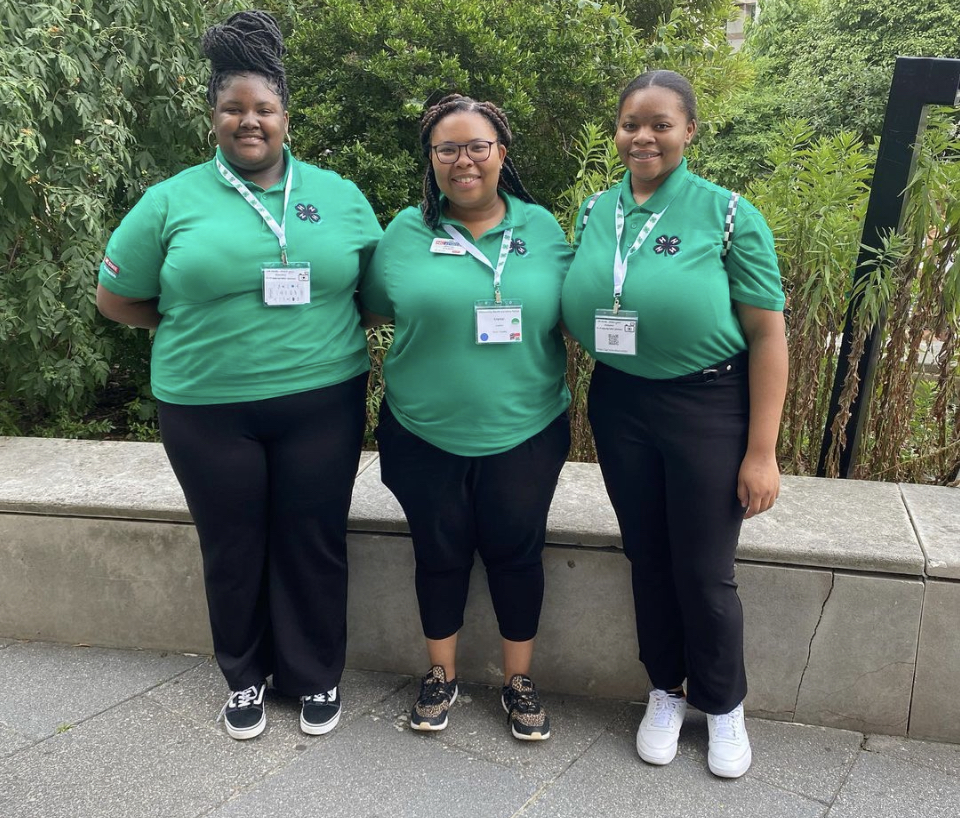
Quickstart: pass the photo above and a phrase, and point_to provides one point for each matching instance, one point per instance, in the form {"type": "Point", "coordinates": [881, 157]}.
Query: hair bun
{"type": "Point", "coordinates": [246, 41]}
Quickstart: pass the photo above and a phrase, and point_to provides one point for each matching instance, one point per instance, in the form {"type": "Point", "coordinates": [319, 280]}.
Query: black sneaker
{"type": "Point", "coordinates": [527, 719]}
{"type": "Point", "coordinates": [320, 713]}
{"type": "Point", "coordinates": [243, 714]}
{"type": "Point", "coordinates": [436, 697]}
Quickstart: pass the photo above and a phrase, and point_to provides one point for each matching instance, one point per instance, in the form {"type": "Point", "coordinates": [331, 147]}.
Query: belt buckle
{"type": "Point", "coordinates": [710, 375]}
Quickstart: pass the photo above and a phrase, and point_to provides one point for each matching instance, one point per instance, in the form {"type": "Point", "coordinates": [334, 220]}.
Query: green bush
{"type": "Point", "coordinates": [100, 100]}
{"type": "Point", "coordinates": [361, 73]}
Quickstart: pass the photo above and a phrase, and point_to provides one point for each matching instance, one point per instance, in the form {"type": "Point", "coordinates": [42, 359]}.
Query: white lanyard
{"type": "Point", "coordinates": [620, 263]}
{"type": "Point", "coordinates": [473, 251]}
{"type": "Point", "coordinates": [279, 230]}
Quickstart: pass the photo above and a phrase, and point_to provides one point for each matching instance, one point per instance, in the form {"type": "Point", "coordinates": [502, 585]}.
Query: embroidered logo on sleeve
{"type": "Point", "coordinates": [111, 267]}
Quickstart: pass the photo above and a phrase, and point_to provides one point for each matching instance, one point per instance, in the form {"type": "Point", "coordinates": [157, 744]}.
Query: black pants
{"type": "Point", "coordinates": [670, 454]}
{"type": "Point", "coordinates": [496, 505]}
{"type": "Point", "coordinates": [269, 484]}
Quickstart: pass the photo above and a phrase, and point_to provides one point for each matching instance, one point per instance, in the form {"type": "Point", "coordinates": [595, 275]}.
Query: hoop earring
{"type": "Point", "coordinates": [287, 138]}
{"type": "Point", "coordinates": [211, 143]}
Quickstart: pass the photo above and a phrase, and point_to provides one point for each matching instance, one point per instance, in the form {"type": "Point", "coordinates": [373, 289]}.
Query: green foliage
{"type": "Point", "coordinates": [693, 42]}
{"type": "Point", "coordinates": [101, 99]}
{"type": "Point", "coordinates": [361, 74]}
{"type": "Point", "coordinates": [814, 201]}
{"type": "Point", "coordinates": [914, 426]}
{"type": "Point", "coordinates": [833, 60]}
{"type": "Point", "coordinates": [646, 15]}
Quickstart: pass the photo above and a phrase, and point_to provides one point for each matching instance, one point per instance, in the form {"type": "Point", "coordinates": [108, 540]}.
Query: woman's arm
{"type": "Point", "coordinates": [758, 485]}
{"type": "Point", "coordinates": [134, 312]}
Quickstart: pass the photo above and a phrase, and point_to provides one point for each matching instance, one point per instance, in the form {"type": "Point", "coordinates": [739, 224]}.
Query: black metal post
{"type": "Point", "coordinates": [917, 83]}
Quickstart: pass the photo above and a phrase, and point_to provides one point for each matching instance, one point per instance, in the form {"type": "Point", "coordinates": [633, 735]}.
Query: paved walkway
{"type": "Point", "coordinates": [98, 733]}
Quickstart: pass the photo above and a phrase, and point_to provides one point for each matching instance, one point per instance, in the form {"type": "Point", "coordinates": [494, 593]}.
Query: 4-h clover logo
{"type": "Point", "coordinates": [667, 244]}
{"type": "Point", "coordinates": [518, 246]}
{"type": "Point", "coordinates": [308, 211]}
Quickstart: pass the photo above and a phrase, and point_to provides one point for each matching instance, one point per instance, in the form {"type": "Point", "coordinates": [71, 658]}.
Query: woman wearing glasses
{"type": "Point", "coordinates": [473, 431]}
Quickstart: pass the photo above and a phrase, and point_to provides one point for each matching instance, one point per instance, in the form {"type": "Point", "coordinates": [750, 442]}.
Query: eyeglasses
{"type": "Point", "coordinates": [478, 150]}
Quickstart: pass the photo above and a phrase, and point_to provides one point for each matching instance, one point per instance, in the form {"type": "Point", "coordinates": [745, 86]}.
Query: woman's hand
{"type": "Point", "coordinates": [758, 484]}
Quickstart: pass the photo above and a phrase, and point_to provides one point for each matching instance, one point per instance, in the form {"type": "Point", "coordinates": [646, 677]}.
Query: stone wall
{"type": "Point", "coordinates": [851, 590]}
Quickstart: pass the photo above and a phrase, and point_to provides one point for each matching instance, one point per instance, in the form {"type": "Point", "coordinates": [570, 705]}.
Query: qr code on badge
{"type": "Point", "coordinates": [613, 339]}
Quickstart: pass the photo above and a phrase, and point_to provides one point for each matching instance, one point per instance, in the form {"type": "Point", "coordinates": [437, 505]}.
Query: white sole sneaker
{"type": "Point", "coordinates": [248, 732]}
{"type": "Point", "coordinates": [729, 754]}
{"type": "Point", "coordinates": [319, 729]}
{"type": "Point", "coordinates": [426, 727]}
{"type": "Point", "coordinates": [730, 768]}
{"type": "Point", "coordinates": [659, 731]}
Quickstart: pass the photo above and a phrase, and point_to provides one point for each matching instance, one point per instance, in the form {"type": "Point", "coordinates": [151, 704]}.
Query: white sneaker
{"type": "Point", "coordinates": [729, 755]}
{"type": "Point", "coordinates": [660, 727]}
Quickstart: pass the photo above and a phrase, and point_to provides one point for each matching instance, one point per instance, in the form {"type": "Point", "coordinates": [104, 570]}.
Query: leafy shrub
{"type": "Point", "coordinates": [101, 99]}
{"type": "Point", "coordinates": [361, 73]}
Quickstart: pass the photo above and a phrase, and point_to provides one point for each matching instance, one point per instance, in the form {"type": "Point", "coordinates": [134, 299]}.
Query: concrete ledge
{"type": "Point", "coordinates": [845, 624]}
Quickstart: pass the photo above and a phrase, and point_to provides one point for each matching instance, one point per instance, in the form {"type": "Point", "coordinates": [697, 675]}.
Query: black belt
{"type": "Point", "coordinates": [738, 363]}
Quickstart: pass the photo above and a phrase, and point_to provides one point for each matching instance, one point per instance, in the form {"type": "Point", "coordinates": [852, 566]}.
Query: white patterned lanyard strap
{"type": "Point", "coordinates": [620, 262]}
{"type": "Point", "coordinates": [279, 230]}
{"type": "Point", "coordinates": [457, 236]}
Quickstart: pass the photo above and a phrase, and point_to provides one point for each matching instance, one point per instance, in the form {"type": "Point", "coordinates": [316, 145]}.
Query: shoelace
{"type": "Point", "coordinates": [240, 699]}
{"type": "Point", "coordinates": [433, 691]}
{"type": "Point", "coordinates": [665, 709]}
{"type": "Point", "coordinates": [321, 698]}
{"type": "Point", "coordinates": [244, 698]}
{"type": "Point", "coordinates": [524, 701]}
{"type": "Point", "coordinates": [727, 726]}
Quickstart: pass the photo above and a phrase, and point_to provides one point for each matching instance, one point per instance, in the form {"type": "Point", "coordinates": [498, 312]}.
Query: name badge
{"type": "Point", "coordinates": [286, 285]}
{"type": "Point", "coordinates": [447, 247]}
{"type": "Point", "coordinates": [499, 323]}
{"type": "Point", "coordinates": [615, 333]}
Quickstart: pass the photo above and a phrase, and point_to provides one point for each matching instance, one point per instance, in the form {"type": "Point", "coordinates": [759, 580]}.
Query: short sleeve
{"type": "Point", "coordinates": [373, 279]}
{"type": "Point", "coordinates": [368, 227]}
{"type": "Point", "coordinates": [752, 262]}
{"type": "Point", "coordinates": [135, 252]}
{"type": "Point", "coordinates": [579, 225]}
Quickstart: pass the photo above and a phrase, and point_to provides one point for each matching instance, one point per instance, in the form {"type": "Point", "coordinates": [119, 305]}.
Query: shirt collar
{"type": "Point", "coordinates": [662, 196]}
{"type": "Point", "coordinates": [290, 162]}
{"type": "Point", "coordinates": [514, 217]}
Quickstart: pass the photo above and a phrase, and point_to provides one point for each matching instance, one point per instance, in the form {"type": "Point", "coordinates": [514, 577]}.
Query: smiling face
{"type": "Point", "coordinates": [469, 185]}
{"type": "Point", "coordinates": [653, 129]}
{"type": "Point", "coordinates": [250, 124]}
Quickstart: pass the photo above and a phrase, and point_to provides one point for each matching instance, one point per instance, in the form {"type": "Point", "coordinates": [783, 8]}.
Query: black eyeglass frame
{"type": "Point", "coordinates": [460, 146]}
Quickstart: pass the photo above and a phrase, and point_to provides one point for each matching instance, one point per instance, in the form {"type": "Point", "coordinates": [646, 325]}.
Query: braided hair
{"type": "Point", "coordinates": [451, 104]}
{"type": "Point", "coordinates": [249, 42]}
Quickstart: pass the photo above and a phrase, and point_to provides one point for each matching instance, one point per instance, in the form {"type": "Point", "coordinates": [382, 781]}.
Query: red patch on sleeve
{"type": "Point", "coordinates": [111, 267]}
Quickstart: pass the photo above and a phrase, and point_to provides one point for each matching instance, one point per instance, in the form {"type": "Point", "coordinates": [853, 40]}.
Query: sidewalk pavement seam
{"type": "Point", "coordinates": [281, 765]}
{"type": "Point", "coordinates": [846, 775]}
{"type": "Point", "coordinates": [544, 788]}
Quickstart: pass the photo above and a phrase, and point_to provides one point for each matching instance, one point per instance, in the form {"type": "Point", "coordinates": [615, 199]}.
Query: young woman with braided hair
{"type": "Point", "coordinates": [246, 266]}
{"type": "Point", "coordinates": [473, 430]}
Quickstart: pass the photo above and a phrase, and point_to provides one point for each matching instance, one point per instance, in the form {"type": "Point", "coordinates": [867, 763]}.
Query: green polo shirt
{"type": "Point", "coordinates": [469, 399]}
{"type": "Point", "coordinates": [194, 242]}
{"type": "Point", "coordinates": [677, 282]}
